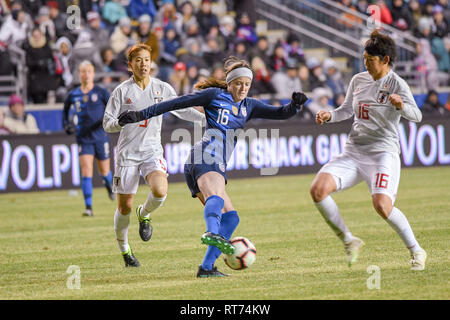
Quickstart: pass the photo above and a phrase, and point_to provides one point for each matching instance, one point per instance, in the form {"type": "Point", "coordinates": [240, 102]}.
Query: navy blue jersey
{"type": "Point", "coordinates": [223, 117]}
{"type": "Point", "coordinates": [88, 109]}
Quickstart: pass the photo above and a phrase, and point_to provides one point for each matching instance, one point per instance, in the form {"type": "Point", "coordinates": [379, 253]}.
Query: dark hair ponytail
{"type": "Point", "coordinates": [381, 45]}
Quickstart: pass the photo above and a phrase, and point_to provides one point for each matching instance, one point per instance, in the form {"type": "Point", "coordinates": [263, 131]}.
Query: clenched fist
{"type": "Point", "coordinates": [396, 101]}
{"type": "Point", "coordinates": [322, 117]}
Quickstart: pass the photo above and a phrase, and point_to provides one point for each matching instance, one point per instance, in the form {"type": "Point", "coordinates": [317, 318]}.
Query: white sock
{"type": "Point", "coordinates": [400, 224]}
{"type": "Point", "coordinates": [330, 211]}
{"type": "Point", "coordinates": [151, 205]}
{"type": "Point", "coordinates": [121, 223]}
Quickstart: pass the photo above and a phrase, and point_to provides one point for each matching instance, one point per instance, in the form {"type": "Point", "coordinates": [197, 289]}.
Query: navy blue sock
{"type": "Point", "coordinates": [108, 180]}
{"type": "Point", "coordinates": [229, 223]}
{"type": "Point", "coordinates": [212, 213]}
{"type": "Point", "coordinates": [86, 187]}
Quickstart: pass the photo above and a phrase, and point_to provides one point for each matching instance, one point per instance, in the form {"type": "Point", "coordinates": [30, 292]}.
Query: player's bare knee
{"type": "Point", "coordinates": [159, 192]}
{"type": "Point", "coordinates": [124, 210]}
{"type": "Point", "coordinates": [383, 208]}
{"type": "Point", "coordinates": [318, 192]}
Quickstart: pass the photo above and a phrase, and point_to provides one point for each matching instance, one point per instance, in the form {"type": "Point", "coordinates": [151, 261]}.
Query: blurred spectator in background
{"type": "Point", "coordinates": [218, 72]}
{"type": "Point", "coordinates": [41, 67]}
{"type": "Point", "coordinates": [167, 15]}
{"type": "Point", "coordinates": [97, 34]}
{"type": "Point", "coordinates": [261, 50]}
{"type": "Point", "coordinates": [334, 79]}
{"type": "Point", "coordinates": [112, 12]}
{"type": "Point", "coordinates": [293, 49]}
{"type": "Point", "coordinates": [316, 76]}
{"type": "Point", "coordinates": [211, 52]}
{"type": "Point", "coordinates": [121, 37]}
{"type": "Point", "coordinates": [349, 20]}
{"type": "Point", "coordinates": [446, 6]}
{"type": "Point", "coordinates": [46, 24]}
{"type": "Point", "coordinates": [14, 29]}
{"type": "Point", "coordinates": [203, 74]}
{"type": "Point", "coordinates": [227, 30]}
{"type": "Point", "coordinates": [171, 44]}
{"type": "Point", "coordinates": [241, 50]}
{"type": "Point", "coordinates": [262, 78]}
{"type": "Point", "coordinates": [83, 49]}
{"type": "Point", "coordinates": [277, 59]}
{"type": "Point", "coordinates": [192, 74]}
{"type": "Point", "coordinates": [432, 106]}
{"type": "Point", "coordinates": [303, 74]}
{"type": "Point", "coordinates": [137, 8]}
{"type": "Point", "coordinates": [59, 20]}
{"type": "Point", "coordinates": [426, 64]}
{"type": "Point", "coordinates": [144, 28]}
{"type": "Point", "coordinates": [206, 18]}
{"type": "Point", "coordinates": [110, 64]}
{"type": "Point", "coordinates": [320, 100]}
{"type": "Point", "coordinates": [193, 32]}
{"type": "Point", "coordinates": [194, 54]}
{"type": "Point", "coordinates": [246, 30]}
{"type": "Point", "coordinates": [441, 25]}
{"type": "Point", "coordinates": [215, 33]}
{"type": "Point", "coordinates": [416, 13]}
{"type": "Point", "coordinates": [16, 120]}
{"type": "Point", "coordinates": [247, 6]}
{"type": "Point", "coordinates": [179, 79]}
{"type": "Point", "coordinates": [402, 18]}
{"type": "Point", "coordinates": [286, 82]}
{"type": "Point", "coordinates": [187, 16]}
{"type": "Point", "coordinates": [63, 49]}
{"type": "Point", "coordinates": [385, 13]}
{"type": "Point", "coordinates": [3, 130]}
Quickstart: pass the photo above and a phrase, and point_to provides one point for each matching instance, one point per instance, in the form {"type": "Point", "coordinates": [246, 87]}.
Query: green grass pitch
{"type": "Point", "coordinates": [298, 256]}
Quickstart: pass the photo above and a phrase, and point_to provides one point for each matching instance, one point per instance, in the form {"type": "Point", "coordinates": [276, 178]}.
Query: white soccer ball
{"type": "Point", "coordinates": [244, 254]}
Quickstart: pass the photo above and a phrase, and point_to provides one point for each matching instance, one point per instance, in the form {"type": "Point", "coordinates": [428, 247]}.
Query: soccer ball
{"type": "Point", "coordinates": [244, 254]}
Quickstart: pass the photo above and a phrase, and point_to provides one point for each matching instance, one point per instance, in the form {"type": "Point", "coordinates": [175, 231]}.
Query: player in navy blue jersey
{"type": "Point", "coordinates": [227, 108]}
{"type": "Point", "coordinates": [84, 107]}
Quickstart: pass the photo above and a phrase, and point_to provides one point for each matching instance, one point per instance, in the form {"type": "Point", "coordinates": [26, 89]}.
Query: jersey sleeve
{"type": "Point", "coordinates": [188, 114]}
{"type": "Point", "coordinates": [112, 111]}
{"type": "Point", "coordinates": [266, 111]}
{"type": "Point", "coordinates": [345, 111]}
{"type": "Point", "coordinates": [410, 110]}
{"type": "Point", "coordinates": [201, 98]}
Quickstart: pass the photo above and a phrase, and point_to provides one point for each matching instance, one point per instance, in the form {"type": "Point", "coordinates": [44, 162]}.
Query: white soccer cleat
{"type": "Point", "coordinates": [352, 249]}
{"type": "Point", "coordinates": [418, 260]}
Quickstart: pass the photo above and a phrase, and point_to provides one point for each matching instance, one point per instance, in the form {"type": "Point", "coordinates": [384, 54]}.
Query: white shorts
{"type": "Point", "coordinates": [126, 179]}
{"type": "Point", "coordinates": [381, 171]}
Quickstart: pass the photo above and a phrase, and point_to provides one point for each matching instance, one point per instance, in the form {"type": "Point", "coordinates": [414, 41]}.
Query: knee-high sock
{"type": "Point", "coordinates": [151, 205]}
{"type": "Point", "coordinates": [400, 224]}
{"type": "Point", "coordinates": [330, 211]}
{"type": "Point", "coordinates": [86, 187]}
{"type": "Point", "coordinates": [121, 223]}
{"type": "Point", "coordinates": [108, 180]}
{"type": "Point", "coordinates": [228, 224]}
{"type": "Point", "coordinates": [212, 213]}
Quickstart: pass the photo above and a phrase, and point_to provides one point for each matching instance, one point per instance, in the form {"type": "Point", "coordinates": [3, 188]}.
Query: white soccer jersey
{"type": "Point", "coordinates": [139, 142]}
{"type": "Point", "coordinates": [375, 123]}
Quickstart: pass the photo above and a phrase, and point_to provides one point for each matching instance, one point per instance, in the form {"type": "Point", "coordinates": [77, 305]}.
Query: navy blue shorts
{"type": "Point", "coordinates": [100, 149]}
{"type": "Point", "coordinates": [194, 171]}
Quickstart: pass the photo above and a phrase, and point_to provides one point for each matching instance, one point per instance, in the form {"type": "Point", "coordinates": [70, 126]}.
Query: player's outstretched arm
{"type": "Point", "coordinates": [201, 98]}
{"type": "Point", "coordinates": [110, 118]}
{"type": "Point", "coordinates": [266, 111]}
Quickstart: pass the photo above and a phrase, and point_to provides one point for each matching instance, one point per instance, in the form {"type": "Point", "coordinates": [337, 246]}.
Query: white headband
{"type": "Point", "coordinates": [239, 72]}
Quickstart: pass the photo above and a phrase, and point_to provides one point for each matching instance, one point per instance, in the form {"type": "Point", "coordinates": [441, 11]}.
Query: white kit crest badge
{"type": "Point", "coordinates": [244, 111]}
